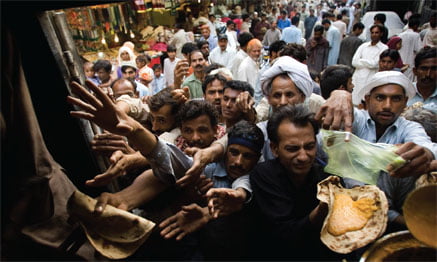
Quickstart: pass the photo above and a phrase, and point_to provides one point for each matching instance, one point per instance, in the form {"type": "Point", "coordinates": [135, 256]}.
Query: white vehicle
{"type": "Point", "coordinates": [393, 22]}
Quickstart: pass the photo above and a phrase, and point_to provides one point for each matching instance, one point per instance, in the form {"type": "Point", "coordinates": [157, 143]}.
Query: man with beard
{"type": "Point", "coordinates": [250, 65]}
{"type": "Point", "coordinates": [213, 91]}
{"type": "Point", "coordinates": [317, 49]}
{"type": "Point", "coordinates": [222, 54]}
{"type": "Point", "coordinates": [425, 69]}
{"type": "Point", "coordinates": [194, 81]}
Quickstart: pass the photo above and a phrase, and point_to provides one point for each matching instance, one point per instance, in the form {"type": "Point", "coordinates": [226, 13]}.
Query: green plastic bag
{"type": "Point", "coordinates": [357, 158]}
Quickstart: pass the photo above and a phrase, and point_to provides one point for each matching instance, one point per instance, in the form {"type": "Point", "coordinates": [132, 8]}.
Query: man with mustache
{"type": "Point", "coordinates": [194, 81]}
{"type": "Point", "coordinates": [425, 69]}
{"type": "Point", "coordinates": [213, 91]}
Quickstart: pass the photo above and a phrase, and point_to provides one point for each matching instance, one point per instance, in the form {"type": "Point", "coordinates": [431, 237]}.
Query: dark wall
{"type": "Point", "coordinates": [61, 132]}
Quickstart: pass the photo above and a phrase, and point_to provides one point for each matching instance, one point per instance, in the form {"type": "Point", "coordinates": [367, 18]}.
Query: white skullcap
{"type": "Point", "coordinates": [388, 77]}
{"type": "Point", "coordinates": [297, 71]}
{"type": "Point", "coordinates": [222, 70]}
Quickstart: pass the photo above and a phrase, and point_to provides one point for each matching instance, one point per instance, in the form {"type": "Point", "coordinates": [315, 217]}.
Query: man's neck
{"type": "Point", "coordinates": [374, 43]}
{"type": "Point", "coordinates": [425, 91]}
{"type": "Point", "coordinates": [199, 75]}
{"type": "Point", "coordinates": [379, 130]}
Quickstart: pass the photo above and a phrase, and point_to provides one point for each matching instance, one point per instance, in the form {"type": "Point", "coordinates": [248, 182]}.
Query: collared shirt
{"type": "Point", "coordinates": [217, 172]}
{"type": "Point", "coordinates": [366, 63]}
{"type": "Point", "coordinates": [195, 86]}
{"type": "Point", "coordinates": [158, 84]}
{"type": "Point", "coordinates": [241, 55]}
{"type": "Point", "coordinates": [224, 58]}
{"type": "Point", "coordinates": [281, 23]}
{"type": "Point", "coordinates": [212, 41]}
{"type": "Point", "coordinates": [248, 71]}
{"type": "Point", "coordinates": [400, 132]}
{"type": "Point", "coordinates": [430, 103]}
{"type": "Point", "coordinates": [292, 34]}
{"type": "Point", "coordinates": [169, 67]}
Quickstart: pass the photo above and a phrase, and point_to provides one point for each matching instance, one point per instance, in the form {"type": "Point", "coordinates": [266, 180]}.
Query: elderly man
{"type": "Point", "coordinates": [249, 67]}
{"type": "Point", "coordinates": [222, 54]}
{"type": "Point", "coordinates": [243, 39]}
{"type": "Point", "coordinates": [207, 36]}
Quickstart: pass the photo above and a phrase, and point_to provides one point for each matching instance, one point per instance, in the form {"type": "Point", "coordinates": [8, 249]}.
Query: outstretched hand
{"type": "Point", "coordinates": [337, 111]}
{"type": "Point", "coordinates": [418, 160]}
{"type": "Point", "coordinates": [99, 109]}
{"type": "Point", "coordinates": [190, 219]}
{"type": "Point", "coordinates": [225, 201]}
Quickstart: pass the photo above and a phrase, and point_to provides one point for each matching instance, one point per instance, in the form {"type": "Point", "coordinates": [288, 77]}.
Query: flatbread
{"type": "Point", "coordinates": [115, 233]}
{"type": "Point", "coordinates": [354, 239]}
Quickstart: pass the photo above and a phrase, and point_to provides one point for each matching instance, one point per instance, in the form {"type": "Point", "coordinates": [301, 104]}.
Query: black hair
{"type": "Point", "coordinates": [339, 17]}
{"type": "Point", "coordinates": [189, 47]}
{"type": "Point", "coordinates": [295, 20]}
{"type": "Point", "coordinates": [283, 12]}
{"type": "Point", "coordinates": [414, 20]}
{"type": "Point", "coordinates": [141, 58]}
{"type": "Point", "coordinates": [161, 99]}
{"type": "Point", "coordinates": [247, 131]}
{"type": "Point", "coordinates": [212, 67]}
{"type": "Point", "coordinates": [380, 17]}
{"type": "Point", "coordinates": [102, 64]}
{"type": "Point", "coordinates": [299, 115]}
{"type": "Point", "coordinates": [195, 108]}
{"type": "Point", "coordinates": [244, 38]}
{"type": "Point", "coordinates": [294, 50]}
{"type": "Point", "coordinates": [171, 48]}
{"type": "Point", "coordinates": [125, 67]}
{"type": "Point", "coordinates": [392, 53]}
{"type": "Point", "coordinates": [156, 66]}
{"type": "Point", "coordinates": [319, 28]}
{"type": "Point", "coordinates": [380, 27]}
{"type": "Point", "coordinates": [200, 43]}
{"type": "Point", "coordinates": [326, 21]}
{"type": "Point", "coordinates": [277, 46]}
{"type": "Point", "coordinates": [210, 78]}
{"type": "Point", "coordinates": [333, 77]}
{"type": "Point", "coordinates": [358, 25]}
{"type": "Point", "coordinates": [239, 85]}
{"type": "Point", "coordinates": [424, 53]}
{"type": "Point", "coordinates": [230, 22]}
{"type": "Point", "coordinates": [245, 16]}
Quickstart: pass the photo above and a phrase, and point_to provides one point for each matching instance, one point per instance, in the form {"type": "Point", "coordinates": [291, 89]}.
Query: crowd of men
{"type": "Point", "coordinates": [226, 156]}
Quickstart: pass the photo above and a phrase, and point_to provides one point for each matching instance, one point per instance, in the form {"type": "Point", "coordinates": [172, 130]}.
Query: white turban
{"type": "Point", "coordinates": [388, 77]}
{"type": "Point", "coordinates": [297, 71]}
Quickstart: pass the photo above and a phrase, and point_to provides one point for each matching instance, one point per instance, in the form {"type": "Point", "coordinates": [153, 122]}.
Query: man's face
{"type": "Point", "coordinates": [162, 120]}
{"type": "Point", "coordinates": [197, 61]}
{"type": "Point", "coordinates": [205, 49]}
{"type": "Point", "coordinates": [205, 33]}
{"type": "Point", "coordinates": [284, 92]}
{"type": "Point", "coordinates": [255, 52]}
{"type": "Point", "coordinates": [311, 12]}
{"type": "Point", "coordinates": [318, 35]}
{"type": "Point", "coordinates": [375, 35]}
{"type": "Point", "coordinates": [350, 85]}
{"type": "Point", "coordinates": [198, 132]}
{"type": "Point", "coordinates": [123, 88]}
{"type": "Point", "coordinates": [129, 73]}
{"type": "Point", "coordinates": [326, 26]}
{"type": "Point", "coordinates": [171, 55]}
{"type": "Point", "coordinates": [157, 72]}
{"type": "Point", "coordinates": [296, 148]}
{"type": "Point", "coordinates": [103, 75]}
{"type": "Point", "coordinates": [214, 94]}
{"type": "Point", "coordinates": [386, 103]}
{"type": "Point", "coordinates": [229, 107]}
{"type": "Point", "coordinates": [386, 64]}
{"type": "Point", "coordinates": [426, 72]}
{"type": "Point", "coordinates": [240, 160]}
{"type": "Point", "coordinates": [274, 24]}
{"type": "Point", "coordinates": [223, 43]}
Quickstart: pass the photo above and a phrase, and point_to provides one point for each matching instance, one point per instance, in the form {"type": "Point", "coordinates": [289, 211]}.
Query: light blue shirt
{"type": "Point", "coordinates": [334, 38]}
{"type": "Point", "coordinates": [430, 103]}
{"type": "Point", "coordinates": [158, 84]}
{"type": "Point", "coordinates": [292, 34]}
{"type": "Point", "coordinates": [400, 132]}
{"type": "Point", "coordinates": [142, 89]}
{"type": "Point", "coordinates": [212, 41]}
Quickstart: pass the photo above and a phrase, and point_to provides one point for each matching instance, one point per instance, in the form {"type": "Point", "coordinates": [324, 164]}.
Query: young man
{"type": "Point", "coordinates": [292, 34]}
{"type": "Point", "coordinates": [163, 109]}
{"type": "Point", "coordinates": [232, 112]}
{"type": "Point", "coordinates": [158, 82]}
{"type": "Point", "coordinates": [169, 65]}
{"type": "Point", "coordinates": [212, 89]}
{"type": "Point", "coordinates": [288, 216]}
{"type": "Point", "coordinates": [350, 44]}
{"type": "Point", "coordinates": [318, 50]}
{"type": "Point", "coordinates": [243, 40]}
{"type": "Point", "coordinates": [232, 35]}
{"type": "Point", "coordinates": [333, 37]}
{"type": "Point", "coordinates": [261, 27]}
{"type": "Point", "coordinates": [283, 21]}
{"type": "Point", "coordinates": [194, 81]}
{"type": "Point", "coordinates": [366, 60]}
{"type": "Point", "coordinates": [411, 44]}
{"type": "Point", "coordinates": [222, 54]}
{"type": "Point", "coordinates": [388, 59]}
{"type": "Point", "coordinates": [309, 23]}
{"type": "Point", "coordinates": [204, 47]}
{"type": "Point", "coordinates": [336, 77]}
{"type": "Point", "coordinates": [425, 69]}
{"type": "Point", "coordinates": [272, 35]}
{"type": "Point", "coordinates": [129, 71]}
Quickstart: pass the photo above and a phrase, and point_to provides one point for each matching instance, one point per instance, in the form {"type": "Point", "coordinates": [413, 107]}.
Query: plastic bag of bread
{"type": "Point", "coordinates": [115, 233]}
{"type": "Point", "coordinates": [356, 216]}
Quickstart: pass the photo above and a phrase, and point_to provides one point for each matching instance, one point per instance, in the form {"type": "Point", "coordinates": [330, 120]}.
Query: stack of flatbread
{"type": "Point", "coordinates": [356, 216]}
{"type": "Point", "coordinates": [115, 233]}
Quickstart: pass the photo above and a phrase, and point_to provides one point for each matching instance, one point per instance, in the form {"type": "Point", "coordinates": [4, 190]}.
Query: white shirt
{"type": "Point", "coordinates": [411, 44]}
{"type": "Point", "coordinates": [430, 38]}
{"type": "Point", "coordinates": [366, 63]}
{"type": "Point", "coordinates": [341, 26]}
{"type": "Point", "coordinates": [179, 39]}
{"type": "Point", "coordinates": [169, 67]}
{"type": "Point", "coordinates": [232, 40]}
{"type": "Point", "coordinates": [224, 58]}
{"type": "Point", "coordinates": [248, 71]}
{"type": "Point", "coordinates": [241, 55]}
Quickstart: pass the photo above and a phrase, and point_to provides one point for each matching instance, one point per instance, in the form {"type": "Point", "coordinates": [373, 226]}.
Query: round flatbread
{"type": "Point", "coordinates": [349, 216]}
{"type": "Point", "coordinates": [115, 233]}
